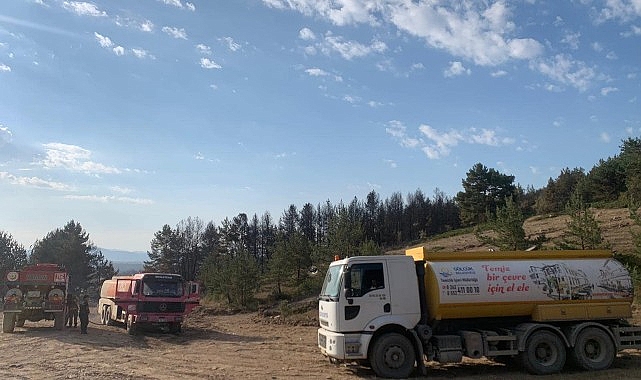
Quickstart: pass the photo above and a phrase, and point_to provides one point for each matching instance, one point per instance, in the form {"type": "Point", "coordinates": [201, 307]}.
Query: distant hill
{"type": "Point", "coordinates": [615, 224]}
{"type": "Point", "coordinates": [125, 262]}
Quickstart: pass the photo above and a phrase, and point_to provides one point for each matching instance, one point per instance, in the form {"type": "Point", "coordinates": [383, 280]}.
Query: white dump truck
{"type": "Point", "coordinates": [394, 313]}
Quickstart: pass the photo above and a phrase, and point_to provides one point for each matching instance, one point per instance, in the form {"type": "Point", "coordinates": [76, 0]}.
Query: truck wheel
{"type": "Point", "coordinates": [544, 353]}
{"type": "Point", "coordinates": [392, 356]}
{"type": "Point", "coordinates": [108, 320]}
{"type": "Point", "coordinates": [20, 322]}
{"type": "Point", "coordinates": [59, 321]}
{"type": "Point", "coordinates": [8, 322]}
{"type": "Point", "coordinates": [175, 328]}
{"type": "Point", "coordinates": [593, 350]}
{"type": "Point", "coordinates": [131, 328]}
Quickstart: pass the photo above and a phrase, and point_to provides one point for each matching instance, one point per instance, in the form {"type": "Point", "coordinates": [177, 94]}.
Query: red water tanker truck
{"type": "Point", "coordinates": [34, 293]}
{"type": "Point", "coordinates": [395, 313]}
{"type": "Point", "coordinates": [147, 300]}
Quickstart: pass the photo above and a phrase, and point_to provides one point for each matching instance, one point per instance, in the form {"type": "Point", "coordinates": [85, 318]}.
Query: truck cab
{"type": "Point", "coordinates": [363, 296]}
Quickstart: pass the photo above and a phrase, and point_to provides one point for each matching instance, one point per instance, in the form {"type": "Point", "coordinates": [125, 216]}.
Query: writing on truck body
{"type": "Point", "coordinates": [542, 308]}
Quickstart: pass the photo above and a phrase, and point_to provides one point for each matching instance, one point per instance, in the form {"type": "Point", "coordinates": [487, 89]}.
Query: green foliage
{"type": "Point", "coordinates": [485, 190]}
{"type": "Point", "coordinates": [235, 278]}
{"type": "Point", "coordinates": [71, 247]}
{"type": "Point", "coordinates": [507, 229]}
{"type": "Point", "coordinates": [12, 254]}
{"type": "Point", "coordinates": [583, 230]}
{"type": "Point", "coordinates": [558, 192]}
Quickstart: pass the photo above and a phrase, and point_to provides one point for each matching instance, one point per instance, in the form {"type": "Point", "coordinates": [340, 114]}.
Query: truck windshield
{"type": "Point", "coordinates": [332, 284]}
{"type": "Point", "coordinates": [156, 288]}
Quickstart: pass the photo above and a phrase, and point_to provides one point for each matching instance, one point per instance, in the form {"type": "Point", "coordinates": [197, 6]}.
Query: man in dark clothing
{"type": "Point", "coordinates": [72, 311]}
{"type": "Point", "coordinates": [84, 314]}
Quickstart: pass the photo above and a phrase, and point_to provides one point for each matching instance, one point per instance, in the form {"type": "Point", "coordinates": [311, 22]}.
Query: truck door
{"type": "Point", "coordinates": [366, 296]}
{"type": "Point", "coordinates": [192, 299]}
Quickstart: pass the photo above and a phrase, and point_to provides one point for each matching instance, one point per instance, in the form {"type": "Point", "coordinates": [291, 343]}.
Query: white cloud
{"type": "Point", "coordinates": [5, 135]}
{"type": "Point", "coordinates": [456, 69]}
{"type": "Point", "coordinates": [338, 12]}
{"type": "Point", "coordinates": [82, 8]}
{"type": "Point", "coordinates": [175, 32]}
{"type": "Point", "coordinates": [472, 31]}
{"type": "Point", "coordinates": [476, 30]}
{"type": "Point", "coordinates": [207, 63]}
{"type": "Point", "coordinates": [399, 132]}
{"type": "Point", "coordinates": [146, 26]}
{"type": "Point", "coordinates": [499, 73]}
{"type": "Point", "coordinates": [104, 41]}
{"type": "Point", "coordinates": [572, 40]}
{"type": "Point", "coordinates": [121, 190]}
{"type": "Point", "coordinates": [179, 4]}
{"type": "Point", "coordinates": [34, 182]}
{"type": "Point", "coordinates": [623, 10]}
{"type": "Point", "coordinates": [605, 137]}
{"type": "Point", "coordinates": [119, 50]}
{"type": "Point", "coordinates": [306, 34]}
{"type": "Point", "coordinates": [316, 72]}
{"type": "Point", "coordinates": [231, 44]}
{"type": "Point", "coordinates": [605, 91]}
{"type": "Point", "coordinates": [564, 69]}
{"type": "Point", "coordinates": [437, 144]}
{"type": "Point", "coordinates": [4, 68]}
{"type": "Point", "coordinates": [203, 49]}
{"type": "Point", "coordinates": [350, 49]}
{"type": "Point", "coordinates": [142, 54]}
{"type": "Point", "coordinates": [109, 198]}
{"type": "Point", "coordinates": [73, 158]}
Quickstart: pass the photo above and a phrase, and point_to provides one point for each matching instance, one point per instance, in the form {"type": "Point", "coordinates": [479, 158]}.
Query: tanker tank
{"type": "Point", "coordinates": [542, 286]}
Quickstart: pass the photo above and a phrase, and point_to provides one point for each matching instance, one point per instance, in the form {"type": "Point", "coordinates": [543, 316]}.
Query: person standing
{"type": "Point", "coordinates": [84, 314]}
{"type": "Point", "coordinates": [72, 311]}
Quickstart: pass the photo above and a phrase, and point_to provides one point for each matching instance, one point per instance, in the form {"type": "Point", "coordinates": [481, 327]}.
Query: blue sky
{"type": "Point", "coordinates": [128, 115]}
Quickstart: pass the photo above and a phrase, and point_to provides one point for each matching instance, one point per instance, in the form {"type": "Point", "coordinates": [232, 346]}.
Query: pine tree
{"type": "Point", "coordinates": [583, 230]}
{"type": "Point", "coordinates": [12, 254]}
{"type": "Point", "coordinates": [507, 233]}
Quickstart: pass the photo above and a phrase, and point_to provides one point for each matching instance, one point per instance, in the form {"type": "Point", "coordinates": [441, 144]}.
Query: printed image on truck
{"type": "Point", "coordinates": [561, 282]}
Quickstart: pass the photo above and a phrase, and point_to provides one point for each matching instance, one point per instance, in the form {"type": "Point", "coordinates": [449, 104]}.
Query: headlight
{"type": "Point", "coordinates": [56, 295]}
{"type": "Point", "coordinates": [13, 295]}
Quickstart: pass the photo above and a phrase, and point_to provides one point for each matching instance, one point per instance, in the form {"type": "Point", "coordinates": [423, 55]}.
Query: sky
{"type": "Point", "coordinates": [126, 116]}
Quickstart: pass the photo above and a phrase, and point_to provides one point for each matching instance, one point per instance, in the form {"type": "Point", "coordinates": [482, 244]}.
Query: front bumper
{"type": "Point", "coordinates": [343, 346]}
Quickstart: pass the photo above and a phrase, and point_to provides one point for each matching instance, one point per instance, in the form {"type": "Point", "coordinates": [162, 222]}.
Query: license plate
{"type": "Point", "coordinates": [322, 340]}
{"type": "Point", "coordinates": [161, 320]}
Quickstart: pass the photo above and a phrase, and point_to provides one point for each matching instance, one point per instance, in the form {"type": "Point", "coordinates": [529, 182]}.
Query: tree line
{"type": "Point", "coordinates": [236, 257]}
{"type": "Point", "coordinates": [69, 247]}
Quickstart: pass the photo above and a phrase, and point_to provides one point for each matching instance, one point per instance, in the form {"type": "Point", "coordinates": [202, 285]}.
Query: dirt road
{"type": "Point", "coordinates": [241, 346]}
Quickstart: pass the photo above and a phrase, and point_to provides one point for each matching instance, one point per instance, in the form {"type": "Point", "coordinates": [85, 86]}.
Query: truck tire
{"type": "Point", "coordinates": [108, 320]}
{"type": "Point", "coordinates": [393, 356]}
{"type": "Point", "coordinates": [175, 328]}
{"type": "Point", "coordinates": [104, 317]}
{"type": "Point", "coordinates": [544, 353]}
{"type": "Point", "coordinates": [8, 322]}
{"type": "Point", "coordinates": [20, 322]}
{"type": "Point", "coordinates": [130, 326]}
{"type": "Point", "coordinates": [58, 321]}
{"type": "Point", "coordinates": [594, 350]}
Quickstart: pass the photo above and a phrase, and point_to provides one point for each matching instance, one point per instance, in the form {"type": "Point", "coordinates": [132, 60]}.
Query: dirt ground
{"type": "Point", "coordinates": [240, 346]}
